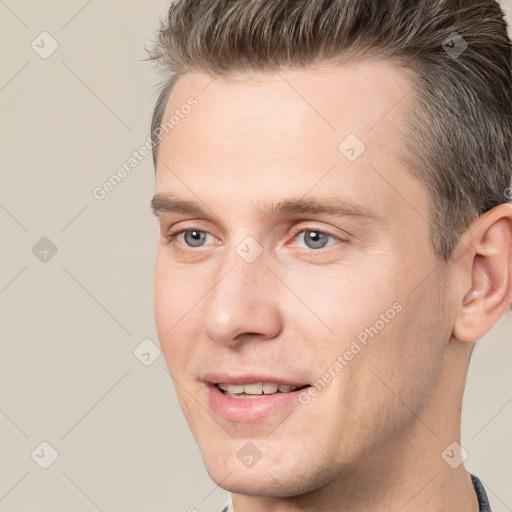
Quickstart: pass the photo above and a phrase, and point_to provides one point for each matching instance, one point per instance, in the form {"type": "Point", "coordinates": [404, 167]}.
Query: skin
{"type": "Point", "coordinates": [372, 438]}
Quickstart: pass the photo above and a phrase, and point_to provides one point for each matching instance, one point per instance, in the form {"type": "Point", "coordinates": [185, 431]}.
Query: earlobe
{"type": "Point", "coordinates": [489, 260]}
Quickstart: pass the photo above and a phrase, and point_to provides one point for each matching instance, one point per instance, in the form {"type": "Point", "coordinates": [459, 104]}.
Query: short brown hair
{"type": "Point", "coordinates": [457, 138]}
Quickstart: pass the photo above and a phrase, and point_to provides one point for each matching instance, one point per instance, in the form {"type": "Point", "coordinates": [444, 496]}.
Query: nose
{"type": "Point", "coordinates": [244, 303]}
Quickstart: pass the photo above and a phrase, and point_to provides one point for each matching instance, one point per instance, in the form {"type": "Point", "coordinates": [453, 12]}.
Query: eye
{"type": "Point", "coordinates": [316, 239]}
{"type": "Point", "coordinates": [191, 237]}
{"type": "Point", "coordinates": [313, 239]}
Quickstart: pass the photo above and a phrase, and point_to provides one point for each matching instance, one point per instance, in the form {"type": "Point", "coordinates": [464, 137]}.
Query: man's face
{"type": "Point", "coordinates": [350, 302]}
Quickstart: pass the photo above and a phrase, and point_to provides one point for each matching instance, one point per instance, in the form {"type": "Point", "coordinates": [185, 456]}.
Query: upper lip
{"type": "Point", "coordinates": [249, 378]}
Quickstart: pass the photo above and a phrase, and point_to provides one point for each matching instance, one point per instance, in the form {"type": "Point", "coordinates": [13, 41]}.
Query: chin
{"type": "Point", "coordinates": [282, 478]}
{"type": "Point", "coordinates": [251, 483]}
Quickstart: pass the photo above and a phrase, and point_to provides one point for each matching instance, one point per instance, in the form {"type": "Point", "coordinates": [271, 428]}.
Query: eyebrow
{"type": "Point", "coordinates": [332, 205]}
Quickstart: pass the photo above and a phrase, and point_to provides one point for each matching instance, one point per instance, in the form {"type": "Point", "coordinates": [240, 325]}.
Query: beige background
{"type": "Point", "coordinates": [69, 326]}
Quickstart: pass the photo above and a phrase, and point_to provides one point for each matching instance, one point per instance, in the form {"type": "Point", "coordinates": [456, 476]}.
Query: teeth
{"type": "Point", "coordinates": [258, 388]}
{"type": "Point", "coordinates": [232, 389]}
{"type": "Point", "coordinates": [269, 388]}
{"type": "Point", "coordinates": [253, 389]}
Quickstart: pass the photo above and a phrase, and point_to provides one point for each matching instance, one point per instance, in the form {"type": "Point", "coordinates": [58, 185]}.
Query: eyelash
{"type": "Point", "coordinates": [171, 236]}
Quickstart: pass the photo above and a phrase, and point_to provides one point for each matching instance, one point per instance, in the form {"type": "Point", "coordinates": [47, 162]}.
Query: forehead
{"type": "Point", "coordinates": [334, 128]}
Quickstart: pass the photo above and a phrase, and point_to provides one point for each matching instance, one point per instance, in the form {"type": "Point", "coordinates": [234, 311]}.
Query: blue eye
{"type": "Point", "coordinates": [316, 239]}
{"type": "Point", "coordinates": [195, 238]}
{"type": "Point", "coordinates": [192, 237]}
{"type": "Point", "coordinates": [311, 238]}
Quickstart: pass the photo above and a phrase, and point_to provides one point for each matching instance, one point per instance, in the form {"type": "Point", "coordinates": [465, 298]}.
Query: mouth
{"type": "Point", "coordinates": [256, 389]}
{"type": "Point", "coordinates": [250, 398]}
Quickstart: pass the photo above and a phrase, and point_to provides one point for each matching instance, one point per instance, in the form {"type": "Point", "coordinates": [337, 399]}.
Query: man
{"type": "Point", "coordinates": [332, 190]}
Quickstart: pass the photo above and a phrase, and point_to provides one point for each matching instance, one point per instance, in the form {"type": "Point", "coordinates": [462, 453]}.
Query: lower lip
{"type": "Point", "coordinates": [250, 410]}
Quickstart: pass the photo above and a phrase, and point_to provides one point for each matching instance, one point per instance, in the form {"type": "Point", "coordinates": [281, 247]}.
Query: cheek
{"type": "Point", "coordinates": [401, 364]}
{"type": "Point", "coordinates": [173, 306]}
{"type": "Point", "coordinates": [388, 340]}
{"type": "Point", "coordinates": [338, 304]}
{"type": "Point", "coordinates": [163, 296]}
{"type": "Point", "coordinates": [176, 291]}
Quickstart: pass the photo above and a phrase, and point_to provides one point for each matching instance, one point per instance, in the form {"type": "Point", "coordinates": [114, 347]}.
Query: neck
{"type": "Point", "coordinates": [409, 473]}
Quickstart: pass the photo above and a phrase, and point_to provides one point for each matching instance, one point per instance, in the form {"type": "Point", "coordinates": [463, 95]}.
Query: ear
{"type": "Point", "coordinates": [487, 265]}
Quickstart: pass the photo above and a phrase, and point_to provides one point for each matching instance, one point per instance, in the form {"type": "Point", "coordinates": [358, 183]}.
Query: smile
{"type": "Point", "coordinates": [251, 398]}
{"type": "Point", "coordinates": [255, 389]}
